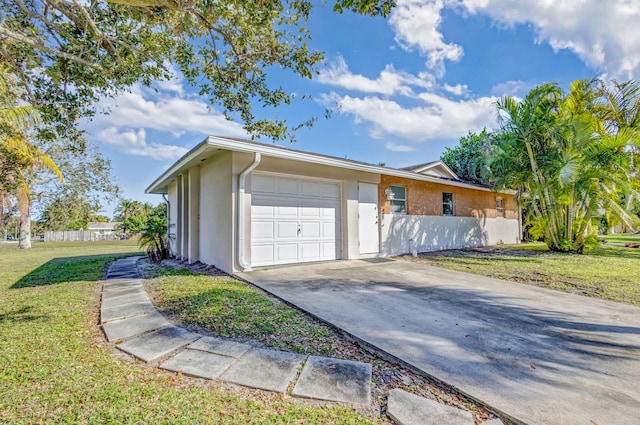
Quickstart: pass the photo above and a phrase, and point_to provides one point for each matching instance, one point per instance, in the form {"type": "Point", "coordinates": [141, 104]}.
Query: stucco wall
{"type": "Point", "coordinates": [425, 198]}
{"type": "Point", "coordinates": [216, 211]}
{"type": "Point", "coordinates": [401, 233]}
{"type": "Point", "coordinates": [173, 216]}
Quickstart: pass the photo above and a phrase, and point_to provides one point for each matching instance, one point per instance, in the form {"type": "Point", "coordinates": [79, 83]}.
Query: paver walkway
{"type": "Point", "coordinates": [132, 323]}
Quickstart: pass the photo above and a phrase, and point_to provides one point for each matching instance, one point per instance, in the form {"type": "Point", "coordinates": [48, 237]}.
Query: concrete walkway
{"type": "Point", "coordinates": [540, 356]}
{"type": "Point", "coordinates": [132, 323]}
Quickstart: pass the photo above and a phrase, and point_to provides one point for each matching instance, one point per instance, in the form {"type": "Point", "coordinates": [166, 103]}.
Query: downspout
{"type": "Point", "coordinates": [240, 214]}
{"type": "Point", "coordinates": [166, 200]}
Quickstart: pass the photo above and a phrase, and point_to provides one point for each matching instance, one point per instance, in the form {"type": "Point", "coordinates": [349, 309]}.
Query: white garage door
{"type": "Point", "coordinates": [293, 220]}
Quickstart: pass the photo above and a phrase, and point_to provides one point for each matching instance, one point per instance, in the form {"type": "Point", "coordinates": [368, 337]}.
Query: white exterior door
{"type": "Point", "coordinates": [368, 218]}
{"type": "Point", "coordinates": [293, 220]}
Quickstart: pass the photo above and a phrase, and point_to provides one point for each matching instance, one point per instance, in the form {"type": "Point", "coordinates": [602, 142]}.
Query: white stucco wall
{"type": "Point", "coordinates": [216, 220]}
{"type": "Point", "coordinates": [401, 234]}
{"type": "Point", "coordinates": [173, 216]}
{"type": "Point", "coordinates": [194, 214]}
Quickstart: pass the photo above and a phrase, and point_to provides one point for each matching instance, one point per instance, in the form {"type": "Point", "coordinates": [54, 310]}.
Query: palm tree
{"type": "Point", "coordinates": [557, 151]}
{"type": "Point", "coordinates": [18, 156]}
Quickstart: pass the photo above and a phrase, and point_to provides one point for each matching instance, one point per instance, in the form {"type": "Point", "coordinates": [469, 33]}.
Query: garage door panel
{"type": "Point", "coordinates": [310, 230]}
{"type": "Point", "coordinates": [309, 188]}
{"type": "Point", "coordinates": [287, 230]}
{"type": "Point", "coordinates": [287, 210]}
{"type": "Point", "coordinates": [263, 254]}
{"type": "Point", "coordinates": [328, 250]}
{"type": "Point", "coordinates": [310, 251]}
{"type": "Point", "coordinates": [263, 211]}
{"type": "Point", "coordinates": [287, 187]}
{"type": "Point", "coordinates": [265, 184]}
{"type": "Point", "coordinates": [329, 230]}
{"type": "Point", "coordinates": [330, 191]}
{"type": "Point", "coordinates": [262, 230]}
{"type": "Point", "coordinates": [287, 252]}
{"type": "Point", "coordinates": [298, 221]}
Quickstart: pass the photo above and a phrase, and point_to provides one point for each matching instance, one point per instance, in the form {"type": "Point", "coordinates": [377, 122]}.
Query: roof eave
{"type": "Point", "coordinates": [160, 184]}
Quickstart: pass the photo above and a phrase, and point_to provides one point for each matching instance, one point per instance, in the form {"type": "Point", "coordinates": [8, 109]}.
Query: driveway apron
{"type": "Point", "coordinates": [538, 355]}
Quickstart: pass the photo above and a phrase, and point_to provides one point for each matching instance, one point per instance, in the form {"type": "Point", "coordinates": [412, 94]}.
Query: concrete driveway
{"type": "Point", "coordinates": [540, 356]}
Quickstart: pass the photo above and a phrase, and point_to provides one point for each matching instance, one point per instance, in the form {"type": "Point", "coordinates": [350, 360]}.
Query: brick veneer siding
{"type": "Point", "coordinates": [425, 198]}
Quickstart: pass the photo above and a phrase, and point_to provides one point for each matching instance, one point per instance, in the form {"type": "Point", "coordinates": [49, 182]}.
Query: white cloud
{"type": "Point", "coordinates": [458, 89]}
{"type": "Point", "coordinates": [395, 147]}
{"type": "Point", "coordinates": [177, 115]}
{"type": "Point", "coordinates": [132, 114]}
{"type": "Point", "coordinates": [389, 82]}
{"type": "Point", "coordinates": [416, 24]}
{"type": "Point", "coordinates": [511, 88]}
{"type": "Point", "coordinates": [436, 118]}
{"type": "Point", "coordinates": [134, 142]}
{"type": "Point", "coordinates": [604, 34]}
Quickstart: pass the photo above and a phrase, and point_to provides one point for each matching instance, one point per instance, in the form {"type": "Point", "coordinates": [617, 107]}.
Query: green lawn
{"type": "Point", "coordinates": [607, 272]}
{"type": "Point", "coordinates": [55, 367]}
{"type": "Point", "coordinates": [622, 238]}
{"type": "Point", "coordinates": [232, 309]}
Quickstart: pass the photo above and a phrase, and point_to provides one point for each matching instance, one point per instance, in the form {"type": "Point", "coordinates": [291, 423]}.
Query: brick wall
{"type": "Point", "coordinates": [425, 198]}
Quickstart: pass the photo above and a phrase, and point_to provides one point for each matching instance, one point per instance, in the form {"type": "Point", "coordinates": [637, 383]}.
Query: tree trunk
{"type": "Point", "coordinates": [24, 240]}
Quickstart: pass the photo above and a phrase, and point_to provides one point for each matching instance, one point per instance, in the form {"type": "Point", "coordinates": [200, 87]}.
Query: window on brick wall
{"type": "Point", "coordinates": [500, 207]}
{"type": "Point", "coordinates": [447, 203]}
{"type": "Point", "coordinates": [397, 196]}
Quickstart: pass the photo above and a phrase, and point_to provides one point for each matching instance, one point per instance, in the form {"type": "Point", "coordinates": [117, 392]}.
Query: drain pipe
{"type": "Point", "coordinates": [240, 222]}
{"type": "Point", "coordinates": [166, 200]}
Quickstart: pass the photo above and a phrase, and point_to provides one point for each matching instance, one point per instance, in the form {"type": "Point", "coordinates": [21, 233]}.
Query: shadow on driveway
{"type": "Point", "coordinates": [541, 356]}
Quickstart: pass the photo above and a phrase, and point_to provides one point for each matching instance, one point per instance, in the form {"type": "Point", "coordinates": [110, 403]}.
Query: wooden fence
{"type": "Point", "coordinates": [79, 235]}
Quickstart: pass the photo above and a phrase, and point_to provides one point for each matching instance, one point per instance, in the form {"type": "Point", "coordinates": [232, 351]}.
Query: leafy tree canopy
{"type": "Point", "coordinates": [467, 159]}
{"type": "Point", "coordinates": [68, 53]}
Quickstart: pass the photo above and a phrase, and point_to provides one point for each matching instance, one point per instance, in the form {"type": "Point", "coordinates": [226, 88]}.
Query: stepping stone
{"type": "Point", "coordinates": [126, 310]}
{"type": "Point", "coordinates": [158, 344]}
{"type": "Point", "coordinates": [198, 363]}
{"type": "Point", "coordinates": [335, 380]}
{"type": "Point", "coordinates": [220, 346]}
{"type": "Point", "coordinates": [125, 328]}
{"type": "Point", "coordinates": [129, 296]}
{"type": "Point", "coordinates": [409, 409]}
{"type": "Point", "coordinates": [265, 369]}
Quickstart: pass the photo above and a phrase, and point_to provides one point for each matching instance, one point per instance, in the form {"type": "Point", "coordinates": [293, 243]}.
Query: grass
{"type": "Point", "coordinates": [622, 238]}
{"type": "Point", "coordinates": [55, 367]}
{"type": "Point", "coordinates": [232, 309]}
{"type": "Point", "coordinates": [607, 272]}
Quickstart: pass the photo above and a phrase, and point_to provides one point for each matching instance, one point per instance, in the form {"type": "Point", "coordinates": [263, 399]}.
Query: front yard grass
{"type": "Point", "coordinates": [635, 238]}
{"type": "Point", "coordinates": [56, 368]}
{"type": "Point", "coordinates": [608, 272]}
{"type": "Point", "coordinates": [230, 308]}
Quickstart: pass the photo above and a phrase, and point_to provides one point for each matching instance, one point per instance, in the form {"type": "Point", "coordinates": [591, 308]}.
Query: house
{"type": "Point", "coordinates": [238, 204]}
{"type": "Point", "coordinates": [103, 228]}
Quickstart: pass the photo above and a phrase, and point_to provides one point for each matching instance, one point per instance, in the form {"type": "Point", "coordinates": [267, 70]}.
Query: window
{"type": "Point", "coordinates": [447, 203]}
{"type": "Point", "coordinates": [500, 207]}
{"type": "Point", "coordinates": [397, 196]}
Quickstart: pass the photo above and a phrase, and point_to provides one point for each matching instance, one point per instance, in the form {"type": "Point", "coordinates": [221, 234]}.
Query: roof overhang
{"type": "Point", "coordinates": [214, 144]}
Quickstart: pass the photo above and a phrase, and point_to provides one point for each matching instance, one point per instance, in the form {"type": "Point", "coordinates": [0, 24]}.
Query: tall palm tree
{"type": "Point", "coordinates": [558, 151]}
{"type": "Point", "coordinates": [18, 156]}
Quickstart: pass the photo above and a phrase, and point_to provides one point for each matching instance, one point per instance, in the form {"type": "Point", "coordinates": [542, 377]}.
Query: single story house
{"type": "Point", "coordinates": [238, 204]}
{"type": "Point", "coordinates": [103, 228]}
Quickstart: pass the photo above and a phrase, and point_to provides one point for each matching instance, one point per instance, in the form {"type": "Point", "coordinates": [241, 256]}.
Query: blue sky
{"type": "Point", "coordinates": [407, 86]}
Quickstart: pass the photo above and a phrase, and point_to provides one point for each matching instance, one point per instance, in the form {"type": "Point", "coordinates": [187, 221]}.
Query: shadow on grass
{"type": "Point", "coordinates": [69, 269]}
{"type": "Point", "coordinates": [21, 315]}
